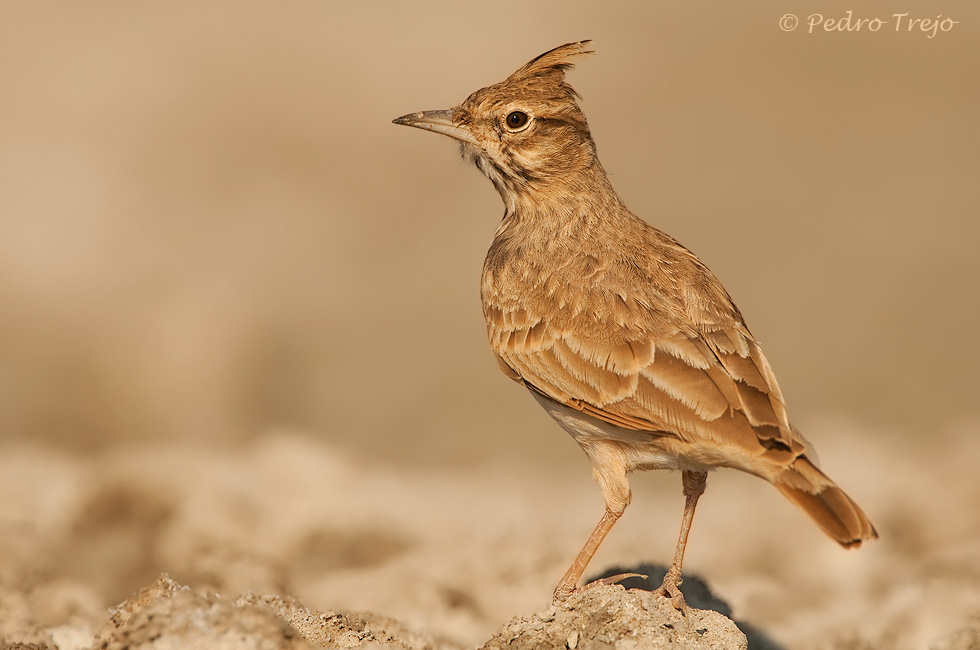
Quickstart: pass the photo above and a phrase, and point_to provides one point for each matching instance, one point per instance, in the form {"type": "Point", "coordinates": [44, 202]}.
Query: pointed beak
{"type": "Point", "coordinates": [437, 122]}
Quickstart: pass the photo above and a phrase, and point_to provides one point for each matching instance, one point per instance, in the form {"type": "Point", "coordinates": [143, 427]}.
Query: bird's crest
{"type": "Point", "coordinates": [556, 60]}
{"type": "Point", "coordinates": [551, 65]}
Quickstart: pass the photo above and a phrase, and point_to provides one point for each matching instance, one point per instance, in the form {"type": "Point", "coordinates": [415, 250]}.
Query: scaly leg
{"type": "Point", "coordinates": [568, 583]}
{"type": "Point", "coordinates": [694, 483]}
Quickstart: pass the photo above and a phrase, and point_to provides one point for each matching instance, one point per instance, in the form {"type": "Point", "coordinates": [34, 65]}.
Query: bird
{"type": "Point", "coordinates": [619, 332]}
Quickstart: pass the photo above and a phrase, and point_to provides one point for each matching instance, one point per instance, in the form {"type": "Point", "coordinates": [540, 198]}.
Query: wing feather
{"type": "Point", "coordinates": [609, 386]}
{"type": "Point", "coordinates": [714, 387]}
{"type": "Point", "coordinates": [688, 384]}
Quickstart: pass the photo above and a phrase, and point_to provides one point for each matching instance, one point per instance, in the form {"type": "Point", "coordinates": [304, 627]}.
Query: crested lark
{"type": "Point", "coordinates": [619, 332]}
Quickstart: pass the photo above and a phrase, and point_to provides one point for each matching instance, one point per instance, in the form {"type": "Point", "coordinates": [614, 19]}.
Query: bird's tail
{"type": "Point", "coordinates": [832, 510]}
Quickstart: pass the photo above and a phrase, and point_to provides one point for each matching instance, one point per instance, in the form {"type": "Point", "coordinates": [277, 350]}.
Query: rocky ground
{"type": "Point", "coordinates": [168, 615]}
{"type": "Point", "coordinates": [346, 551]}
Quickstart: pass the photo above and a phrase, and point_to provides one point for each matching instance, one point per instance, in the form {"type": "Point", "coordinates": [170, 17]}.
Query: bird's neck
{"type": "Point", "coordinates": [572, 208]}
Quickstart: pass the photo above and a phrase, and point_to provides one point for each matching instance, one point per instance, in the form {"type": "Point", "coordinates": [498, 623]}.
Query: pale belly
{"type": "Point", "coordinates": [640, 450]}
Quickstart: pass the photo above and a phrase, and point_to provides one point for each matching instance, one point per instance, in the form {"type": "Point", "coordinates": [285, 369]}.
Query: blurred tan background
{"type": "Point", "coordinates": [209, 228]}
{"type": "Point", "coordinates": [240, 330]}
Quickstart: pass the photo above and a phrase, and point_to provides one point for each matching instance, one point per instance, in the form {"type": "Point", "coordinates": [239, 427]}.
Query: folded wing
{"type": "Point", "coordinates": [711, 386]}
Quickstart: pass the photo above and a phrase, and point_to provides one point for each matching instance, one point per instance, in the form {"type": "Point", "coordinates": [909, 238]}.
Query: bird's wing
{"type": "Point", "coordinates": [714, 385]}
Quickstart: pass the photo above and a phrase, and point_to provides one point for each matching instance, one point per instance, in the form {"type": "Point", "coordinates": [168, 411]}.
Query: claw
{"type": "Point", "coordinates": [676, 598]}
{"type": "Point", "coordinates": [562, 595]}
{"type": "Point", "coordinates": [670, 589]}
{"type": "Point", "coordinates": [619, 577]}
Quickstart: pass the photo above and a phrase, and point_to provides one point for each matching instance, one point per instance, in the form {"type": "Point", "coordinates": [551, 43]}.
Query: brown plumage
{"type": "Point", "coordinates": [620, 333]}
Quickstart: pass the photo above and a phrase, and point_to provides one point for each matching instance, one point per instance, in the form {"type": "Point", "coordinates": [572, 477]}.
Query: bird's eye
{"type": "Point", "coordinates": [516, 119]}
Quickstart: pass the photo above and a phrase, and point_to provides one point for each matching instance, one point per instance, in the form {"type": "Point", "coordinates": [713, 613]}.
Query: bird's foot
{"type": "Point", "coordinates": [563, 591]}
{"type": "Point", "coordinates": [670, 589]}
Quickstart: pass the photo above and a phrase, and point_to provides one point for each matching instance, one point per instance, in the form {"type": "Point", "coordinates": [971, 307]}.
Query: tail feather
{"type": "Point", "coordinates": [831, 509]}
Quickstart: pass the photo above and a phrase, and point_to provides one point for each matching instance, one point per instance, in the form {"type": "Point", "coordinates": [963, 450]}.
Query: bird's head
{"type": "Point", "coordinates": [525, 132]}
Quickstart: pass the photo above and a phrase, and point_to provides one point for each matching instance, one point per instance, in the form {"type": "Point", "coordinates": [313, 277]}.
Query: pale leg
{"type": "Point", "coordinates": [694, 483]}
{"type": "Point", "coordinates": [568, 583]}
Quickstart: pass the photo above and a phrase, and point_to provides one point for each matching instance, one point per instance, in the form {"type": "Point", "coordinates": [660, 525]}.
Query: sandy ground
{"type": "Point", "coordinates": [453, 553]}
